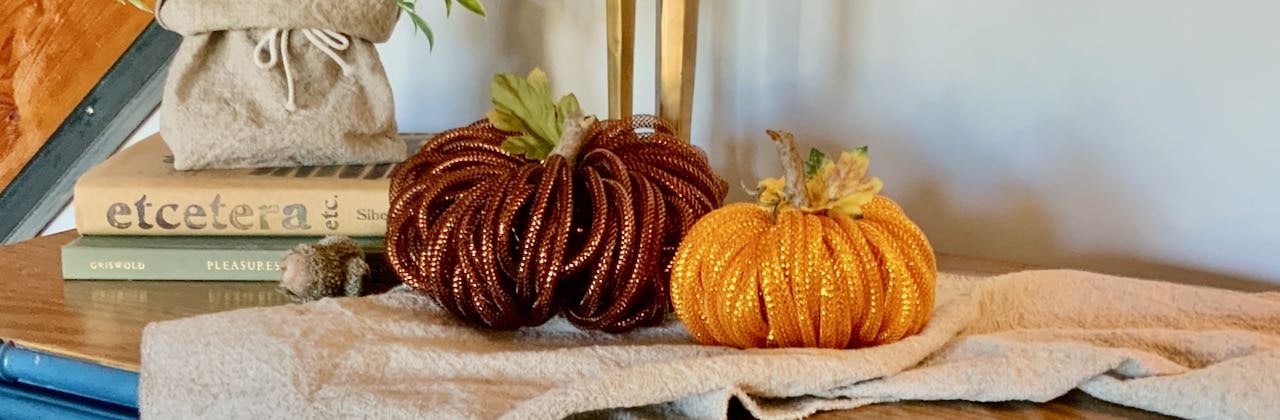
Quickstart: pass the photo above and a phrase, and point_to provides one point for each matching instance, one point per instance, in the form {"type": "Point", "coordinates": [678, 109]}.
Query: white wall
{"type": "Point", "coordinates": [1135, 137]}
{"type": "Point", "coordinates": [66, 219]}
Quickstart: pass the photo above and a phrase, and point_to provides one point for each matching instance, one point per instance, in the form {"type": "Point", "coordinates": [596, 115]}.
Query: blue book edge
{"type": "Point", "coordinates": [65, 375]}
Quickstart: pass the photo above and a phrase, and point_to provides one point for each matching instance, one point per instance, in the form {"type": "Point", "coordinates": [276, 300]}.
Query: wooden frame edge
{"type": "Point", "coordinates": [677, 56]}
{"type": "Point", "coordinates": [620, 16]}
{"type": "Point", "coordinates": [119, 103]}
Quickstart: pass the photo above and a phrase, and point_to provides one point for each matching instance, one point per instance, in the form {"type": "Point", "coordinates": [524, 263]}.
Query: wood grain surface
{"type": "Point", "coordinates": [52, 52]}
{"type": "Point", "coordinates": [677, 62]}
{"type": "Point", "coordinates": [102, 321]}
{"type": "Point", "coordinates": [620, 27]}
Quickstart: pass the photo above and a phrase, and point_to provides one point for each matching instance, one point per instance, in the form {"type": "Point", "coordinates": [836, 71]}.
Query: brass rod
{"type": "Point", "coordinates": [621, 18]}
{"type": "Point", "coordinates": [677, 53]}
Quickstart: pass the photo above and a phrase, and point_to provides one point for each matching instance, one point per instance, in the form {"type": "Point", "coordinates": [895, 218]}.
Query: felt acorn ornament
{"type": "Point", "coordinates": [539, 210]}
{"type": "Point", "coordinates": [820, 260]}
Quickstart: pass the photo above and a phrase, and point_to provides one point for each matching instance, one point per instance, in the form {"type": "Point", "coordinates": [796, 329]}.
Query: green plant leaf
{"type": "Point", "coordinates": [473, 5]}
{"type": "Point", "coordinates": [410, 8]}
{"type": "Point", "coordinates": [406, 5]}
{"type": "Point", "coordinates": [421, 24]}
{"type": "Point", "coordinates": [816, 159]}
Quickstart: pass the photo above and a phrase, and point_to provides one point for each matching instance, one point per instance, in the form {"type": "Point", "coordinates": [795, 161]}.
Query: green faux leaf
{"type": "Point", "coordinates": [539, 81]}
{"type": "Point", "coordinates": [473, 5]}
{"type": "Point", "coordinates": [527, 145]}
{"type": "Point", "coordinates": [504, 121]}
{"type": "Point", "coordinates": [448, 8]}
{"type": "Point", "coordinates": [816, 159]}
{"type": "Point", "coordinates": [529, 101]}
{"type": "Point", "coordinates": [525, 105]}
{"type": "Point", "coordinates": [566, 106]}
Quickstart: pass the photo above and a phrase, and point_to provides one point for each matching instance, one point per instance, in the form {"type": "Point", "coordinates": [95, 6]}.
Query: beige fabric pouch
{"type": "Point", "coordinates": [265, 83]}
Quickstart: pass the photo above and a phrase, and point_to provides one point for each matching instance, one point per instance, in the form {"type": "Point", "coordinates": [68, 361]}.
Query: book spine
{"type": "Point", "coordinates": [19, 401]}
{"type": "Point", "coordinates": [239, 211]}
{"type": "Point", "coordinates": [96, 263]}
{"type": "Point", "coordinates": [49, 372]}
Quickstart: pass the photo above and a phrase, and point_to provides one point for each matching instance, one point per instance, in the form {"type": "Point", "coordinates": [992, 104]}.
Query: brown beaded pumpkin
{"type": "Point", "coordinates": [504, 241]}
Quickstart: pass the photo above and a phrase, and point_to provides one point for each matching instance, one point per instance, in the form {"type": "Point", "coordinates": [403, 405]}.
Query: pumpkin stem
{"type": "Point", "coordinates": [792, 168]}
{"type": "Point", "coordinates": [576, 126]}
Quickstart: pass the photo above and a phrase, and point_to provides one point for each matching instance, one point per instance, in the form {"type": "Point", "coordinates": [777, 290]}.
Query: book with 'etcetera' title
{"type": "Point", "coordinates": [138, 192]}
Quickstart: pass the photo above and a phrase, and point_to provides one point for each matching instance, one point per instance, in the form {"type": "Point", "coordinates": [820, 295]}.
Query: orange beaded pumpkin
{"type": "Point", "coordinates": [821, 260]}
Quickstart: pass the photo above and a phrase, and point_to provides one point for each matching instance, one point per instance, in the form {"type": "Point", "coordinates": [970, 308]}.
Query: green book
{"type": "Point", "coordinates": [228, 258]}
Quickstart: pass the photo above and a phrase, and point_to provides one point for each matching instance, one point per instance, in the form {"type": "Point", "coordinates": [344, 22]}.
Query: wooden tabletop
{"type": "Point", "coordinates": [102, 321]}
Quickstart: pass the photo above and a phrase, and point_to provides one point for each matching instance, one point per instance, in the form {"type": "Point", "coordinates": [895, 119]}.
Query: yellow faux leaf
{"type": "Point", "coordinates": [841, 185]}
{"type": "Point", "coordinates": [851, 204]}
{"type": "Point", "coordinates": [847, 174]}
{"type": "Point", "coordinates": [769, 192]}
{"type": "Point", "coordinates": [816, 186]}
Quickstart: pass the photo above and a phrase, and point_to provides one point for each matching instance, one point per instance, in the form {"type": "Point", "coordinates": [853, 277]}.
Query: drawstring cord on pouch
{"type": "Point", "coordinates": [276, 46]}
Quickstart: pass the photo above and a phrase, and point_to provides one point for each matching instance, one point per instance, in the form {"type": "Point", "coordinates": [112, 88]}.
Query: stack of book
{"type": "Point", "coordinates": [140, 219]}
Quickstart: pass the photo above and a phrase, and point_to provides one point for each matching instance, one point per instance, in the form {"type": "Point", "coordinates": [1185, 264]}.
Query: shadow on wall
{"type": "Point", "coordinates": [1025, 230]}
{"type": "Point", "coordinates": [752, 65]}
{"type": "Point", "coordinates": [525, 40]}
{"type": "Point", "coordinates": [448, 86]}
{"type": "Point", "coordinates": [1022, 189]}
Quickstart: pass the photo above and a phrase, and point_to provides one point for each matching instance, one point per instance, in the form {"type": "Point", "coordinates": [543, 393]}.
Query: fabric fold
{"type": "Point", "coordinates": [1173, 349]}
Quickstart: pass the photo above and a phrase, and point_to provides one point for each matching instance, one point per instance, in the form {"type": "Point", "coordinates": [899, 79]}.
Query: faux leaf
{"type": "Point", "coordinates": [847, 186]}
{"type": "Point", "coordinates": [847, 173]}
{"type": "Point", "coordinates": [816, 159]}
{"type": "Point", "coordinates": [566, 106]}
{"type": "Point", "coordinates": [539, 81]}
{"type": "Point", "coordinates": [473, 5]}
{"type": "Point", "coordinates": [525, 105]}
{"type": "Point", "coordinates": [504, 121]}
{"type": "Point", "coordinates": [815, 186]}
{"type": "Point", "coordinates": [851, 205]}
{"type": "Point", "coordinates": [841, 185]}
{"type": "Point", "coordinates": [528, 100]}
{"type": "Point", "coordinates": [448, 8]}
{"type": "Point", "coordinates": [527, 145]}
{"type": "Point", "coordinates": [769, 192]}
